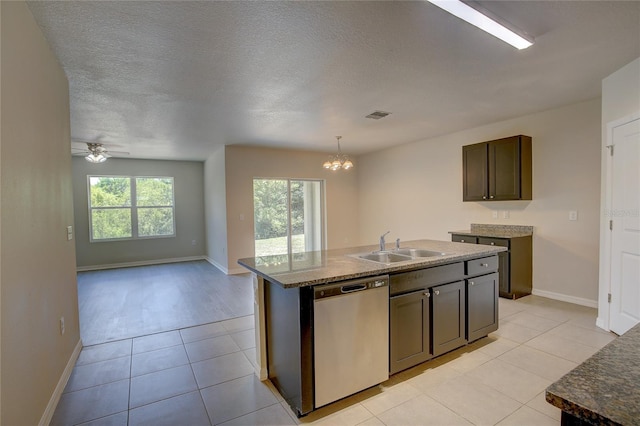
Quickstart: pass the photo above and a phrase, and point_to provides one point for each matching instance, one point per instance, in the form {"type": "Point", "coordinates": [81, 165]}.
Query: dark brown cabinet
{"type": "Point", "coordinates": [497, 170]}
{"type": "Point", "coordinates": [410, 330]}
{"type": "Point", "coordinates": [482, 306]}
{"type": "Point", "coordinates": [431, 311]}
{"type": "Point", "coordinates": [514, 265]}
{"type": "Point", "coordinates": [449, 319]}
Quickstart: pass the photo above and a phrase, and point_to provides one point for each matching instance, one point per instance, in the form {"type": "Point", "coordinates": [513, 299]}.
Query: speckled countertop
{"type": "Point", "coordinates": [496, 231]}
{"type": "Point", "coordinates": [605, 389]}
{"type": "Point", "coordinates": [318, 267]}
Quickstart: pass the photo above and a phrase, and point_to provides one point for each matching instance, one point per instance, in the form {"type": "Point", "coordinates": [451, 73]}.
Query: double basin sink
{"type": "Point", "coordinates": [398, 255]}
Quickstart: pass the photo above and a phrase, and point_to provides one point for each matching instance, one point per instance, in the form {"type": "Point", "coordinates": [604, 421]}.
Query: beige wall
{"type": "Point", "coordinates": [620, 99]}
{"type": "Point", "coordinates": [189, 214]}
{"type": "Point", "coordinates": [621, 93]}
{"type": "Point", "coordinates": [215, 205]}
{"type": "Point", "coordinates": [243, 164]}
{"type": "Point", "coordinates": [415, 191]}
{"type": "Point", "coordinates": [38, 263]}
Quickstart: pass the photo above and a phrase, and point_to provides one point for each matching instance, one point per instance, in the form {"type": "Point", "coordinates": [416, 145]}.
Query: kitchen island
{"type": "Point", "coordinates": [603, 390]}
{"type": "Point", "coordinates": [462, 276]}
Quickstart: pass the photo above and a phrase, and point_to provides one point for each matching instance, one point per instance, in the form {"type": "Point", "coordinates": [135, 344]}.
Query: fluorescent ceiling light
{"type": "Point", "coordinates": [472, 16]}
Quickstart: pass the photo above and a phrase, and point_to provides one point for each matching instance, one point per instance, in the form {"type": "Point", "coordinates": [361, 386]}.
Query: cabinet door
{"type": "Point", "coordinates": [504, 169]}
{"type": "Point", "coordinates": [474, 172]}
{"type": "Point", "coordinates": [482, 306]}
{"type": "Point", "coordinates": [409, 330]}
{"type": "Point", "coordinates": [504, 261]}
{"type": "Point", "coordinates": [449, 324]}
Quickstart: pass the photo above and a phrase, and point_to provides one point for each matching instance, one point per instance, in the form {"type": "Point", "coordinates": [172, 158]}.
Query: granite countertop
{"type": "Point", "coordinates": [319, 267]}
{"type": "Point", "coordinates": [605, 389]}
{"type": "Point", "coordinates": [496, 231]}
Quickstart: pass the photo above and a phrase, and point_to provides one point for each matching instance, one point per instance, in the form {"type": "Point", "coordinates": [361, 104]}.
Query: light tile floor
{"type": "Point", "coordinates": [204, 375]}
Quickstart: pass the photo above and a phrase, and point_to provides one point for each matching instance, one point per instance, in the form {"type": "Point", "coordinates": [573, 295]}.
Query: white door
{"type": "Point", "coordinates": [625, 238]}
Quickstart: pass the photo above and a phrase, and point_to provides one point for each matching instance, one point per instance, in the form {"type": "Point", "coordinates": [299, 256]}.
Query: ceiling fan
{"type": "Point", "coordinates": [94, 152]}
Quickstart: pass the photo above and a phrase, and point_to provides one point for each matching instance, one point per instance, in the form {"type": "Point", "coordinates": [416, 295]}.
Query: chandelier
{"type": "Point", "coordinates": [338, 161]}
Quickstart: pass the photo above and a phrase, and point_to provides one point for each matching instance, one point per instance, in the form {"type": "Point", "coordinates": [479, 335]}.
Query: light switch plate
{"type": "Point", "coordinates": [573, 215]}
{"type": "Point", "coordinates": [69, 233]}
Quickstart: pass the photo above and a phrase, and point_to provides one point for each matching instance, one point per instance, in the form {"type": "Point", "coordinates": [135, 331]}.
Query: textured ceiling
{"type": "Point", "coordinates": [174, 80]}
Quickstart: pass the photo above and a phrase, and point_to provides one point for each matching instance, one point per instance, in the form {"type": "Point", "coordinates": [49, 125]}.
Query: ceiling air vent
{"type": "Point", "coordinates": [377, 115]}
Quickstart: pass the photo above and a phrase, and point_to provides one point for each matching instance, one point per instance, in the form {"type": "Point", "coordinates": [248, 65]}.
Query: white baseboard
{"type": "Point", "coordinates": [600, 323]}
{"type": "Point", "coordinates": [57, 393]}
{"type": "Point", "coordinates": [217, 265]}
{"type": "Point", "coordinates": [238, 270]}
{"type": "Point", "coordinates": [565, 298]}
{"type": "Point", "coordinates": [227, 271]}
{"type": "Point", "coordinates": [139, 263]}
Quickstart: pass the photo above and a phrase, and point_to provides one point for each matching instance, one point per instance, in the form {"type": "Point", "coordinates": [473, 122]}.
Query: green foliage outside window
{"type": "Point", "coordinates": [271, 208]}
{"type": "Point", "coordinates": [113, 214]}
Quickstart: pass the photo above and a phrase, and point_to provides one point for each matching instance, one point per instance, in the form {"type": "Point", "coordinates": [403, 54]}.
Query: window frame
{"type": "Point", "coordinates": [133, 207]}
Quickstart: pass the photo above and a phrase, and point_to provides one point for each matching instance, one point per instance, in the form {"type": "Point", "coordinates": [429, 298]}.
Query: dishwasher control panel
{"type": "Point", "coordinates": [351, 286]}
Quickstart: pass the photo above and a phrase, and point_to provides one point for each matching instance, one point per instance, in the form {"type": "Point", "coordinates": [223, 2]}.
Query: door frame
{"type": "Point", "coordinates": [604, 286]}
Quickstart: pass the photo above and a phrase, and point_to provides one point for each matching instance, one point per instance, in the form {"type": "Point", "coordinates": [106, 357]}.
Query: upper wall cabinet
{"type": "Point", "coordinates": [497, 170]}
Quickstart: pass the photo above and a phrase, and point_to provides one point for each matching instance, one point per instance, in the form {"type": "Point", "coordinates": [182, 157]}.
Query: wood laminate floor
{"type": "Point", "coordinates": [118, 304]}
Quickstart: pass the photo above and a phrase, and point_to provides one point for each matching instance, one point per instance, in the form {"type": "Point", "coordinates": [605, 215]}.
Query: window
{"type": "Point", "coordinates": [122, 207]}
{"type": "Point", "coordinates": [288, 216]}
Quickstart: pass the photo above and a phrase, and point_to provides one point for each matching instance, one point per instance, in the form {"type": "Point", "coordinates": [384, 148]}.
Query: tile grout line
{"type": "Point", "coordinates": [130, 383]}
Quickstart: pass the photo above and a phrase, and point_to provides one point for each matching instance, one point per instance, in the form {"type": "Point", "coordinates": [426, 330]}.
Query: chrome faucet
{"type": "Point", "coordinates": [382, 244]}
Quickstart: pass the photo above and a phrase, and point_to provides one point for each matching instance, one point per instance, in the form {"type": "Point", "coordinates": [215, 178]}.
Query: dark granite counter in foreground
{"type": "Point", "coordinates": [605, 389]}
{"type": "Point", "coordinates": [311, 268]}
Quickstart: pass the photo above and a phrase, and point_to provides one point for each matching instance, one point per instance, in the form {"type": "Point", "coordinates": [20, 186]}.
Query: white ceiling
{"type": "Point", "coordinates": [174, 80]}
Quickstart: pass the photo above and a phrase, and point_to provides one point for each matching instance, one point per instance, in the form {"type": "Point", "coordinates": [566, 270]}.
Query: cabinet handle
{"type": "Point", "coordinates": [491, 196]}
{"type": "Point", "coordinates": [472, 283]}
{"type": "Point", "coordinates": [493, 244]}
{"type": "Point", "coordinates": [484, 197]}
{"type": "Point", "coordinates": [427, 294]}
{"type": "Point", "coordinates": [437, 292]}
{"type": "Point", "coordinates": [486, 265]}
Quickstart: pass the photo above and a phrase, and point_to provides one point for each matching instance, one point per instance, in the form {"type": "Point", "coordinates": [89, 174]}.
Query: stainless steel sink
{"type": "Point", "coordinates": [398, 255]}
{"type": "Point", "coordinates": [414, 253]}
{"type": "Point", "coordinates": [384, 257]}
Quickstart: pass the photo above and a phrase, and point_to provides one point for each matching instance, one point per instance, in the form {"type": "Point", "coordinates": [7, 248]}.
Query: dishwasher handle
{"type": "Point", "coordinates": [347, 287]}
{"type": "Point", "coordinates": [352, 288]}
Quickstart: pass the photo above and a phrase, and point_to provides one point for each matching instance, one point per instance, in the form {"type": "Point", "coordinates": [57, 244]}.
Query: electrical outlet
{"type": "Point", "coordinates": [69, 233]}
{"type": "Point", "coordinates": [494, 214]}
{"type": "Point", "coordinates": [505, 214]}
{"type": "Point", "coordinates": [61, 325]}
{"type": "Point", "coordinates": [193, 242]}
{"type": "Point", "coordinates": [573, 215]}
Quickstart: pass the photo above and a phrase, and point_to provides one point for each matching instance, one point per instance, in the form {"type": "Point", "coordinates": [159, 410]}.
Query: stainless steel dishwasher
{"type": "Point", "coordinates": [351, 337]}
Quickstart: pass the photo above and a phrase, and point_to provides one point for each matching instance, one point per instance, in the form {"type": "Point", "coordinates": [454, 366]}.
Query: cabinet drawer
{"type": "Point", "coordinates": [424, 278]}
{"type": "Point", "coordinates": [482, 266]}
{"type": "Point", "coordinates": [502, 242]}
{"type": "Point", "coordinates": [457, 238]}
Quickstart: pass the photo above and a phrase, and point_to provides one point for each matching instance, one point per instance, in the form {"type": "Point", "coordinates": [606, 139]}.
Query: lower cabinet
{"type": "Point", "coordinates": [515, 264]}
{"type": "Point", "coordinates": [482, 306]}
{"type": "Point", "coordinates": [409, 332]}
{"type": "Point", "coordinates": [436, 310]}
{"type": "Point", "coordinates": [449, 322]}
